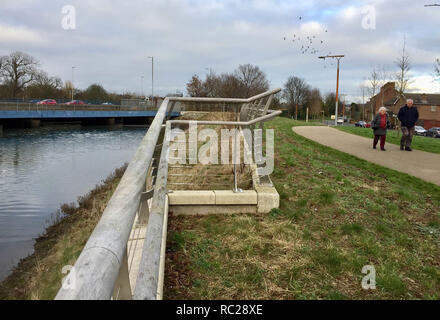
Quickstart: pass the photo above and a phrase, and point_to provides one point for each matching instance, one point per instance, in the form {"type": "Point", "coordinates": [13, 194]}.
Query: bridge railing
{"type": "Point", "coordinates": [8, 106]}
{"type": "Point", "coordinates": [100, 271]}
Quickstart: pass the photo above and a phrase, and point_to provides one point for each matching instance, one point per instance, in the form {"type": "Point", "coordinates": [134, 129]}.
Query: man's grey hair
{"type": "Point", "coordinates": [382, 108]}
{"type": "Point", "coordinates": [409, 100]}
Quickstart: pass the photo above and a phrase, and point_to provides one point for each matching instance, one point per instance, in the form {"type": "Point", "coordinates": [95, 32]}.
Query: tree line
{"type": "Point", "coordinates": [21, 77]}
{"type": "Point", "coordinates": [248, 80]}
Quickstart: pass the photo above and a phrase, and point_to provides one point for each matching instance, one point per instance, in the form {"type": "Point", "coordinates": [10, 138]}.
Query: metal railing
{"type": "Point", "coordinates": [101, 270]}
{"type": "Point", "coordinates": [8, 106]}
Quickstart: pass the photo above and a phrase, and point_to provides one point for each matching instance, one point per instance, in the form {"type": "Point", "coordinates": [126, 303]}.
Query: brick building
{"type": "Point", "coordinates": [428, 105]}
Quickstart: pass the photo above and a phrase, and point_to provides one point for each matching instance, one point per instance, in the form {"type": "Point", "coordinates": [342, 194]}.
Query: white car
{"type": "Point", "coordinates": [420, 131]}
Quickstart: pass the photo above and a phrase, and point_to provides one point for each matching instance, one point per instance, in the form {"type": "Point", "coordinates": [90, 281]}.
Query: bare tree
{"type": "Point", "coordinates": [404, 65]}
{"type": "Point", "coordinates": [45, 86]}
{"type": "Point", "coordinates": [252, 80]}
{"type": "Point", "coordinates": [437, 68]}
{"type": "Point", "coordinates": [314, 102]}
{"type": "Point", "coordinates": [295, 93]}
{"type": "Point", "coordinates": [195, 87]}
{"type": "Point", "coordinates": [376, 80]}
{"type": "Point", "coordinates": [18, 70]}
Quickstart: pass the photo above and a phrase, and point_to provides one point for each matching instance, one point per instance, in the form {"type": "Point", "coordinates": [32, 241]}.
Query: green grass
{"type": "Point", "coordinates": [420, 143]}
{"type": "Point", "coordinates": [337, 214]}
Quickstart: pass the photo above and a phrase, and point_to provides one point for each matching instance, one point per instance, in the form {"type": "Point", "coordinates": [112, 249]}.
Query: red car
{"type": "Point", "coordinates": [75, 102]}
{"type": "Point", "coordinates": [47, 102]}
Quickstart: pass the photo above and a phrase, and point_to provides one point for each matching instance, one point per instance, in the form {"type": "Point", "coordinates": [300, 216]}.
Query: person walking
{"type": "Point", "coordinates": [380, 125]}
{"type": "Point", "coordinates": [408, 116]}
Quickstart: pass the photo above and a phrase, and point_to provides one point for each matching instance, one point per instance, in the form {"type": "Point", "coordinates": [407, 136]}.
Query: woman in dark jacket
{"type": "Point", "coordinates": [380, 125]}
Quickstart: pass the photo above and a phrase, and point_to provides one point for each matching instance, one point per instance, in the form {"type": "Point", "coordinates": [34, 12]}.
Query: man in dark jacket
{"type": "Point", "coordinates": [408, 116]}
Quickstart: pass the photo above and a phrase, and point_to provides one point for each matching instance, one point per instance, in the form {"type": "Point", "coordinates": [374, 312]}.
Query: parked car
{"type": "Point", "coordinates": [361, 124]}
{"type": "Point", "coordinates": [75, 102]}
{"type": "Point", "coordinates": [433, 132]}
{"type": "Point", "coordinates": [47, 102]}
{"type": "Point", "coordinates": [420, 131]}
{"type": "Point", "coordinates": [107, 104]}
{"type": "Point", "coordinates": [340, 120]}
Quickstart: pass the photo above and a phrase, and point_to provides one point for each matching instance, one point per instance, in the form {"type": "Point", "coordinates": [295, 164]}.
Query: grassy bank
{"type": "Point", "coordinates": [337, 213]}
{"type": "Point", "coordinates": [419, 142]}
{"type": "Point", "coordinates": [39, 275]}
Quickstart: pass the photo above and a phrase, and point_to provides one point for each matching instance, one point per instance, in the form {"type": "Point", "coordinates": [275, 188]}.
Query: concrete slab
{"type": "Point", "coordinates": [191, 198]}
{"type": "Point", "coordinates": [228, 197]}
{"type": "Point", "coordinates": [268, 199]}
{"type": "Point", "coordinates": [202, 210]}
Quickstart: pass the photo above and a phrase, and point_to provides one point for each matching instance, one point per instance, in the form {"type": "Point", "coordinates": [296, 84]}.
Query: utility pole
{"type": "Point", "coordinates": [73, 68]}
{"type": "Point", "coordinates": [152, 79]}
{"type": "Point", "coordinates": [337, 57]}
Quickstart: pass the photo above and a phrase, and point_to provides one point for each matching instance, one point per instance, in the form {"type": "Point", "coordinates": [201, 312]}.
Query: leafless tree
{"type": "Point", "coordinates": [437, 68]}
{"type": "Point", "coordinates": [404, 65]}
{"type": "Point", "coordinates": [314, 102]}
{"type": "Point", "coordinates": [246, 81]}
{"type": "Point", "coordinates": [252, 80]}
{"type": "Point", "coordinates": [295, 93]}
{"type": "Point", "coordinates": [45, 86]}
{"type": "Point", "coordinates": [195, 87]}
{"type": "Point", "coordinates": [18, 70]}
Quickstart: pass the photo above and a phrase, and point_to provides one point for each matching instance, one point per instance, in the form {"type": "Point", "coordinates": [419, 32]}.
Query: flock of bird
{"type": "Point", "coordinates": [309, 44]}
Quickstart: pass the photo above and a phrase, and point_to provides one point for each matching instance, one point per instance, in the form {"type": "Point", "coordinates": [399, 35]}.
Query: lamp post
{"type": "Point", "coordinates": [142, 86]}
{"type": "Point", "coordinates": [338, 57]}
{"type": "Point", "coordinates": [152, 78]}
{"type": "Point", "coordinates": [73, 68]}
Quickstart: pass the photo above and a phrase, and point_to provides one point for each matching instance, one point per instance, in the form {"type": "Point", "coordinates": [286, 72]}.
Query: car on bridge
{"type": "Point", "coordinates": [50, 102]}
{"type": "Point", "coordinates": [75, 102]}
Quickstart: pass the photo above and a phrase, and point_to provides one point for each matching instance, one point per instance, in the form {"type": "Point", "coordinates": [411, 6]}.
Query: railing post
{"type": "Point", "coordinates": [144, 209]}
{"type": "Point", "coordinates": [236, 188]}
{"type": "Point", "coordinates": [122, 290]}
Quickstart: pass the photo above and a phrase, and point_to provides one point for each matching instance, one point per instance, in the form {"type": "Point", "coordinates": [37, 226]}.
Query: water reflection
{"type": "Point", "coordinates": [43, 168]}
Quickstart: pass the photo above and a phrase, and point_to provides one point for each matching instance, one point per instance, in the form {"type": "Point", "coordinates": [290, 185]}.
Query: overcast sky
{"type": "Point", "coordinates": [113, 38]}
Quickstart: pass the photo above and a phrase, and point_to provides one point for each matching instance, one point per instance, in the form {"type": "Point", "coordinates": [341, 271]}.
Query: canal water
{"type": "Point", "coordinates": [40, 169]}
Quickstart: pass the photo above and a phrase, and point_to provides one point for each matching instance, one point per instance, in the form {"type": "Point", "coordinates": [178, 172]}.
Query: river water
{"type": "Point", "coordinates": [40, 169]}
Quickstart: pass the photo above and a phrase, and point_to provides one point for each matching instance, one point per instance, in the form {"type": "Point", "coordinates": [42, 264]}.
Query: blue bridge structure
{"type": "Point", "coordinates": [32, 114]}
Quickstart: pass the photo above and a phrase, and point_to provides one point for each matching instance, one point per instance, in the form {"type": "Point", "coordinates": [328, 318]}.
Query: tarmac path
{"type": "Point", "coordinates": [420, 164]}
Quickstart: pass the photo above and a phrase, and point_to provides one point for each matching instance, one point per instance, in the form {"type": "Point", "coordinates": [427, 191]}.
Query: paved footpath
{"type": "Point", "coordinates": [421, 164]}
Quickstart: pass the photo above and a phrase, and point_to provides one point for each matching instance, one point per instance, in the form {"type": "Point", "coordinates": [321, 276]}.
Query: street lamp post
{"type": "Point", "coordinates": [152, 78]}
{"type": "Point", "coordinates": [337, 57]}
{"type": "Point", "coordinates": [142, 86]}
{"type": "Point", "coordinates": [73, 68]}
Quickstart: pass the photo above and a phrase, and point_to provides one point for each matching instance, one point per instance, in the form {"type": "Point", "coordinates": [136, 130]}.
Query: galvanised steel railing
{"type": "Point", "coordinates": [101, 271]}
{"type": "Point", "coordinates": [8, 106]}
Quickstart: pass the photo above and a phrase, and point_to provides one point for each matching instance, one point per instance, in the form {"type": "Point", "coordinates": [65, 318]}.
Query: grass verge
{"type": "Point", "coordinates": [337, 214]}
{"type": "Point", "coordinates": [419, 142]}
{"type": "Point", "coordinates": [39, 276]}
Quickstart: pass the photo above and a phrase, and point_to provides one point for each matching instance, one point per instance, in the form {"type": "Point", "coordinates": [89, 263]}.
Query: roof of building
{"type": "Point", "coordinates": [418, 98]}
